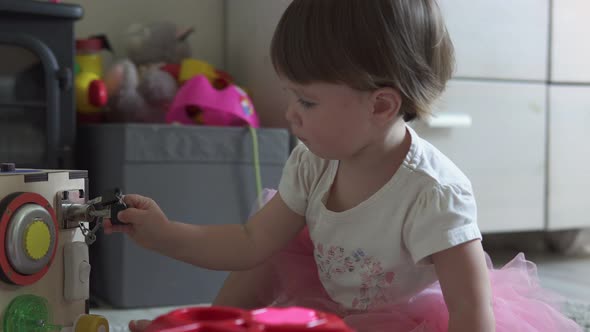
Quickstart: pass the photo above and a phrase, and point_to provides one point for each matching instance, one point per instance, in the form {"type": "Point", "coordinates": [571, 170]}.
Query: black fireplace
{"type": "Point", "coordinates": [37, 110]}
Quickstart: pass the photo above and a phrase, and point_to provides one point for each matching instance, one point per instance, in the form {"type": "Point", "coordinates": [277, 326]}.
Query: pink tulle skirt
{"type": "Point", "coordinates": [520, 303]}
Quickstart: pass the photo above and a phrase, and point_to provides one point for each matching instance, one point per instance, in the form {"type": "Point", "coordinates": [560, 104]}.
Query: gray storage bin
{"type": "Point", "coordinates": [200, 175]}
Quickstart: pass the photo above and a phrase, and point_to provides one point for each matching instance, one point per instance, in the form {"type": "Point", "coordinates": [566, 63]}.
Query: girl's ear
{"type": "Point", "coordinates": [386, 103]}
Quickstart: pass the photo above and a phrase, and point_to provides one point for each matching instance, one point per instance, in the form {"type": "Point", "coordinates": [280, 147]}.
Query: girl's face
{"type": "Point", "coordinates": [332, 120]}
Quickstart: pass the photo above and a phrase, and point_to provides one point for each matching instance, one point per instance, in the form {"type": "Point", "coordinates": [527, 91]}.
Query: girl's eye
{"type": "Point", "coordinates": [306, 104]}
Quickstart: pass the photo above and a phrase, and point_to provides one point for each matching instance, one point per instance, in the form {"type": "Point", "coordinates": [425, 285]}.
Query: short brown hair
{"type": "Point", "coordinates": [367, 45]}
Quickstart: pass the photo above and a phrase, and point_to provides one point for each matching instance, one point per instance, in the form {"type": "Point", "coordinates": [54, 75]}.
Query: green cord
{"type": "Point", "coordinates": [257, 165]}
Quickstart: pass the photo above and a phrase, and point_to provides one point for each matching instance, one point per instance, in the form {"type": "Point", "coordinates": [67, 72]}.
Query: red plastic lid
{"type": "Point", "coordinates": [297, 319]}
{"type": "Point", "coordinates": [216, 328]}
{"type": "Point", "coordinates": [306, 329]}
{"type": "Point", "coordinates": [225, 319]}
{"type": "Point", "coordinates": [89, 44]}
{"type": "Point", "coordinates": [189, 319]}
{"type": "Point", "coordinates": [292, 316]}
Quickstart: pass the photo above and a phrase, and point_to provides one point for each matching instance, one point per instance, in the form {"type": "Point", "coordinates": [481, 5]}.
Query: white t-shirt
{"type": "Point", "coordinates": [378, 252]}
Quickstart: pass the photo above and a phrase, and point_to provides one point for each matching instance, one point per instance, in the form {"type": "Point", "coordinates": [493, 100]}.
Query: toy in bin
{"type": "Point", "coordinates": [226, 319]}
{"type": "Point", "coordinates": [91, 92]}
{"type": "Point", "coordinates": [198, 101]}
{"type": "Point", "coordinates": [190, 68]}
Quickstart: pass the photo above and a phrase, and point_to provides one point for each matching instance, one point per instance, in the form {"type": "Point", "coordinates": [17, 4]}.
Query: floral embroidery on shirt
{"type": "Point", "coordinates": [332, 262]}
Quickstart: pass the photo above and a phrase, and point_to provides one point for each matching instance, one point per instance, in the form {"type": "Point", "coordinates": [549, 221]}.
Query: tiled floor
{"type": "Point", "coordinates": [567, 276]}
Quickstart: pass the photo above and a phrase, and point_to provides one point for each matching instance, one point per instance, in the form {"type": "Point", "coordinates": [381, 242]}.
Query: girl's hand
{"type": "Point", "coordinates": [144, 221]}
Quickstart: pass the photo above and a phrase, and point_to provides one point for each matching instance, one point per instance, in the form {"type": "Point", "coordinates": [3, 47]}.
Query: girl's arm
{"type": "Point", "coordinates": [219, 247]}
{"type": "Point", "coordinates": [465, 283]}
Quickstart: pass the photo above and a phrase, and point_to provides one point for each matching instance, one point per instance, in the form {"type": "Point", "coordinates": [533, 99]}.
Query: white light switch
{"type": "Point", "coordinates": [76, 271]}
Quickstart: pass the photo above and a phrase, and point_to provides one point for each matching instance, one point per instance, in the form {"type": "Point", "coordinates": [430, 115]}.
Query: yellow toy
{"type": "Point", "coordinates": [190, 68]}
{"type": "Point", "coordinates": [88, 53]}
{"type": "Point", "coordinates": [91, 92]}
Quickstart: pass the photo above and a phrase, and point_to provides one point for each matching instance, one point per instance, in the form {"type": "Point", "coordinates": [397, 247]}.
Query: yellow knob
{"type": "Point", "coordinates": [91, 323]}
{"type": "Point", "coordinates": [37, 240]}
